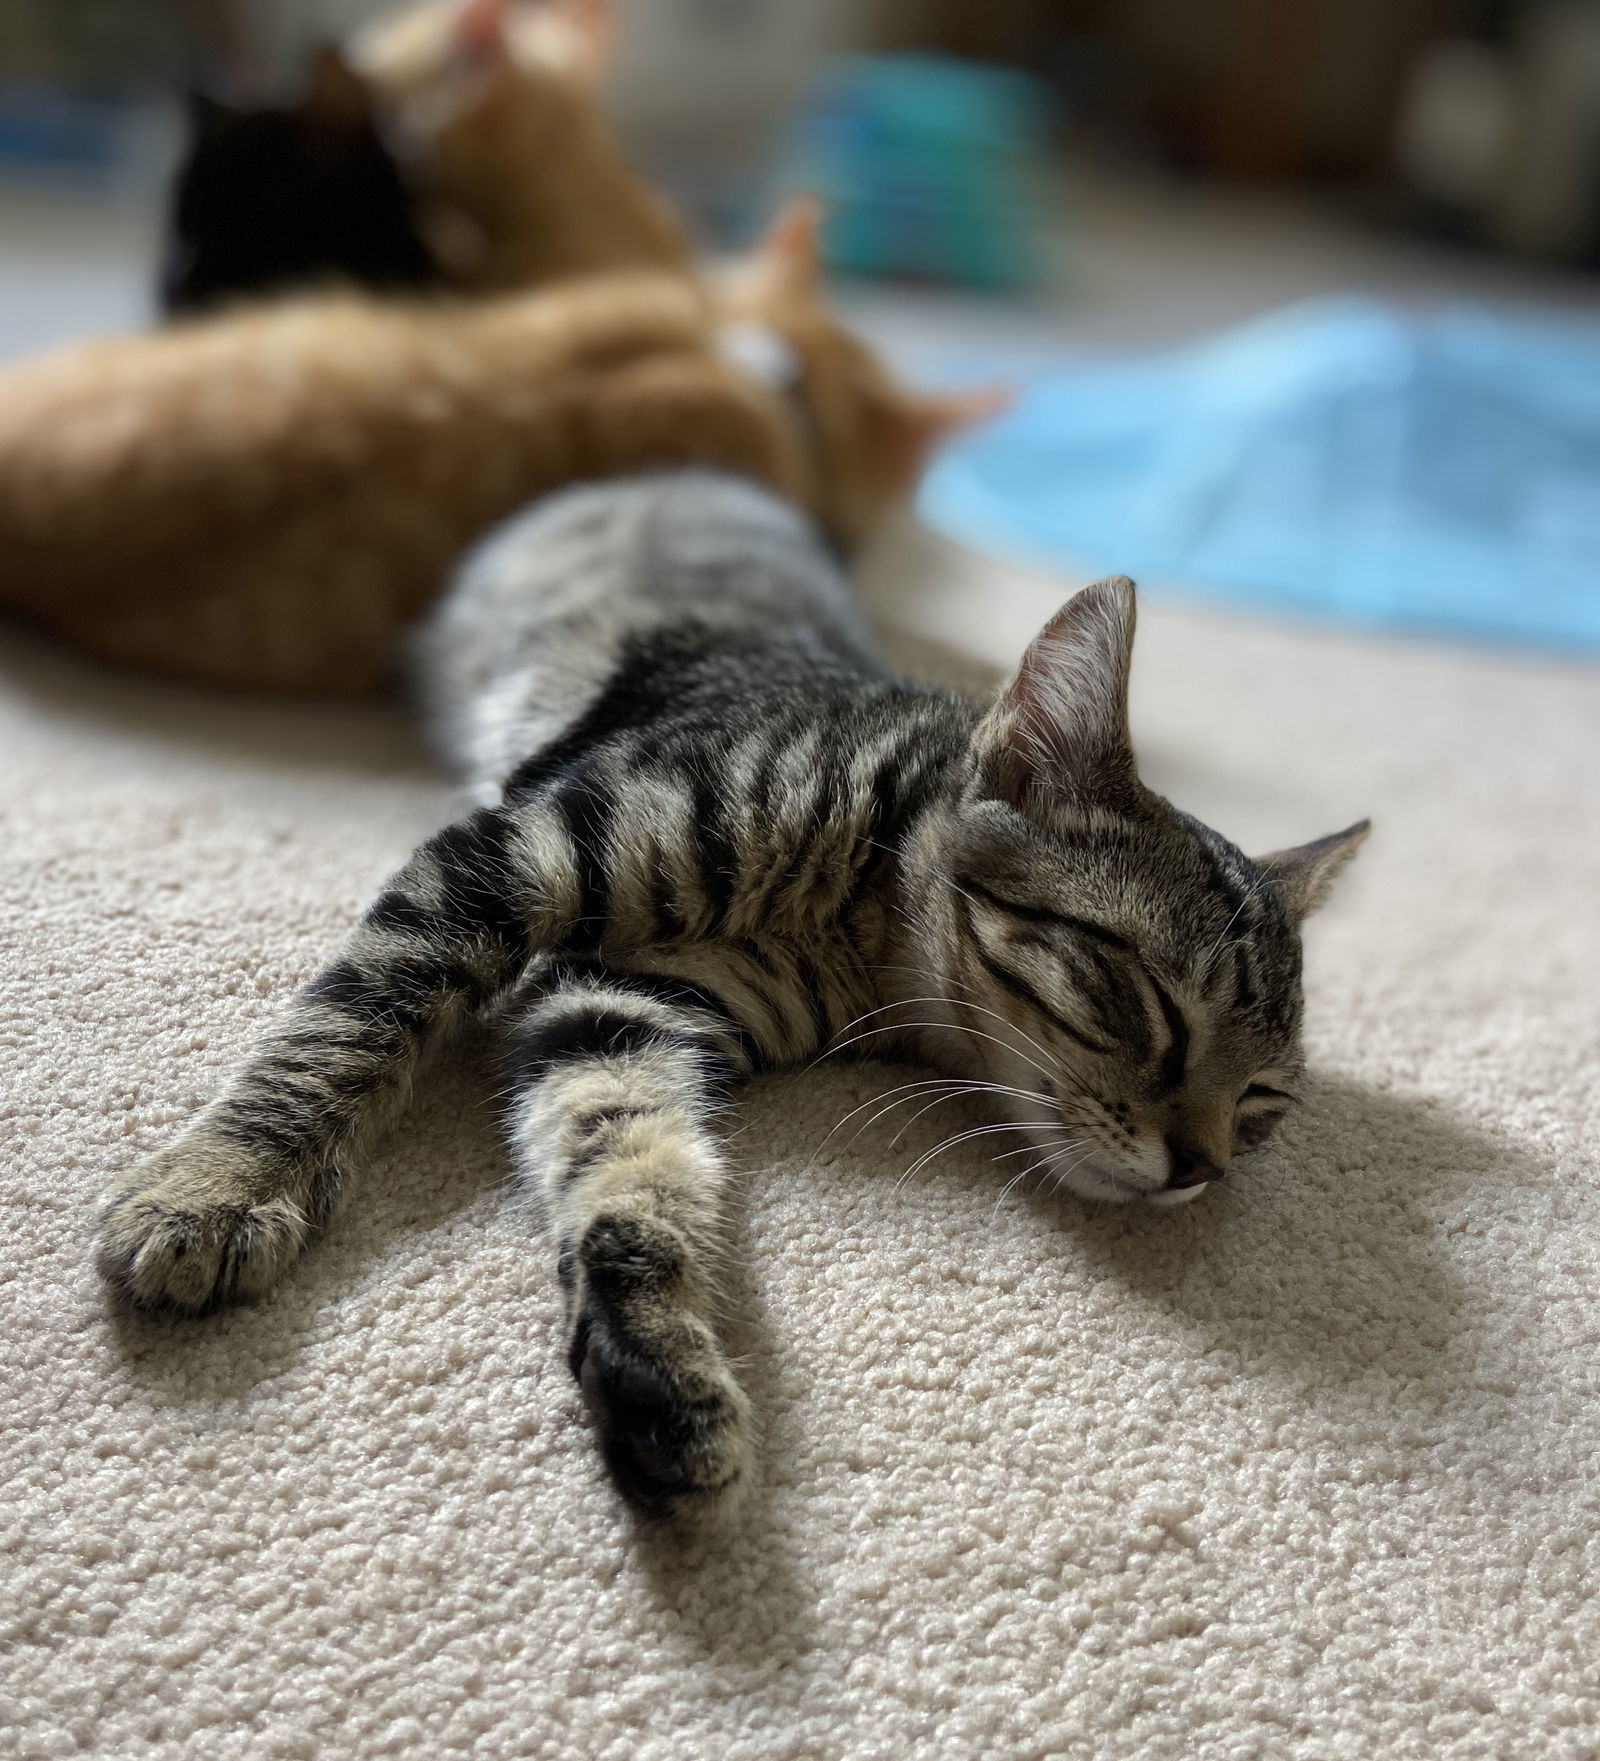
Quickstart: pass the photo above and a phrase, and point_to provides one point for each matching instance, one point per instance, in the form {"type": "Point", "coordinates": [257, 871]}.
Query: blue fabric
{"type": "Point", "coordinates": [1337, 460]}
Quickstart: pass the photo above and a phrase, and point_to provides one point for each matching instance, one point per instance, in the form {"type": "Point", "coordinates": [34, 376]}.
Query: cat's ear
{"type": "Point", "coordinates": [592, 26]}
{"type": "Point", "coordinates": [336, 96]}
{"type": "Point", "coordinates": [916, 426]}
{"type": "Point", "coordinates": [941, 417]}
{"type": "Point", "coordinates": [1060, 728]}
{"type": "Point", "coordinates": [209, 115]}
{"type": "Point", "coordinates": [1303, 875]}
{"type": "Point", "coordinates": [788, 258]}
{"type": "Point", "coordinates": [480, 31]}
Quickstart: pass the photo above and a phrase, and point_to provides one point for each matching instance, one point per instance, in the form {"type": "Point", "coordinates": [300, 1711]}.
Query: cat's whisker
{"type": "Point", "coordinates": [1011, 1185]}
{"type": "Point", "coordinates": [952, 1026]}
{"type": "Point", "coordinates": [949, 1143]}
{"type": "Point", "coordinates": [950, 1088]}
{"type": "Point", "coordinates": [903, 1088]}
{"type": "Point", "coordinates": [952, 1092]}
{"type": "Point", "coordinates": [906, 1124]}
{"type": "Point", "coordinates": [1059, 1174]}
{"type": "Point", "coordinates": [838, 1045]}
{"type": "Point", "coordinates": [1063, 1143]}
{"type": "Point", "coordinates": [968, 1001]}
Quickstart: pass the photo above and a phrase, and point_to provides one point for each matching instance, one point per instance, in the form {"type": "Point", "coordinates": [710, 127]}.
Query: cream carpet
{"type": "Point", "coordinates": [1307, 1470]}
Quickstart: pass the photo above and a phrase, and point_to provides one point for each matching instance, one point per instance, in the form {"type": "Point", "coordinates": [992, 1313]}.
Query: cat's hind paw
{"type": "Point", "coordinates": [674, 1425]}
{"type": "Point", "coordinates": [196, 1227]}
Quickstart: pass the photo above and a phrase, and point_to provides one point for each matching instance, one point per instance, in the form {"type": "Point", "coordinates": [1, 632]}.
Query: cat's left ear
{"type": "Point", "coordinates": [1302, 876]}
{"type": "Point", "coordinates": [920, 425]}
{"type": "Point", "coordinates": [1059, 730]}
{"type": "Point", "coordinates": [788, 259]}
{"type": "Point", "coordinates": [336, 96]}
{"type": "Point", "coordinates": [480, 30]}
{"type": "Point", "coordinates": [941, 417]}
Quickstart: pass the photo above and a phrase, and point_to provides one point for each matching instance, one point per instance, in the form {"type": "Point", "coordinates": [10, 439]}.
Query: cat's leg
{"type": "Point", "coordinates": [217, 1215]}
{"type": "Point", "coordinates": [619, 1078]}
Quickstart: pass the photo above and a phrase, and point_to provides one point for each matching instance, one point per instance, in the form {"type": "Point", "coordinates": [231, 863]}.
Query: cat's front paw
{"type": "Point", "coordinates": [674, 1425]}
{"type": "Point", "coordinates": [197, 1226]}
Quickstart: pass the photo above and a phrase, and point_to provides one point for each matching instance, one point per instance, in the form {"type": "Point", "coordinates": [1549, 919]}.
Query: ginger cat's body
{"type": "Point", "coordinates": [266, 498]}
{"type": "Point", "coordinates": [522, 181]}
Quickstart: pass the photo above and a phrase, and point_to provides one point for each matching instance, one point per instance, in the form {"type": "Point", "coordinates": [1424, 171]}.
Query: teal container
{"type": "Point", "coordinates": [929, 168]}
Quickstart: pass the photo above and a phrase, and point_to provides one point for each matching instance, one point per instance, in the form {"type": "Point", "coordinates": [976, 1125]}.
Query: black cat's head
{"type": "Point", "coordinates": [268, 199]}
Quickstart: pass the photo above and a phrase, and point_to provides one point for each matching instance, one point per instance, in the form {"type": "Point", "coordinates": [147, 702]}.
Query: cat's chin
{"type": "Point", "coordinates": [1177, 1195]}
{"type": "Point", "coordinates": [1101, 1180]}
{"type": "Point", "coordinates": [1109, 1183]}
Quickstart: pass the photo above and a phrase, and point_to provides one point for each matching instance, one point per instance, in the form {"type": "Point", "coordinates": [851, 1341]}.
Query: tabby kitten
{"type": "Point", "coordinates": [272, 199]}
{"type": "Point", "coordinates": [717, 837]}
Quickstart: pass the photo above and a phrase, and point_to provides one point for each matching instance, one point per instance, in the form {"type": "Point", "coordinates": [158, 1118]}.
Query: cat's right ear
{"type": "Point", "coordinates": [788, 258]}
{"type": "Point", "coordinates": [1303, 875]}
{"type": "Point", "coordinates": [337, 98]}
{"type": "Point", "coordinates": [209, 116]}
{"type": "Point", "coordinates": [591, 27]}
{"type": "Point", "coordinates": [480, 31]}
{"type": "Point", "coordinates": [1059, 730]}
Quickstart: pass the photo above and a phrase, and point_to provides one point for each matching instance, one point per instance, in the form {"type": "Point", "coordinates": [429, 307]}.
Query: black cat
{"type": "Point", "coordinates": [267, 200]}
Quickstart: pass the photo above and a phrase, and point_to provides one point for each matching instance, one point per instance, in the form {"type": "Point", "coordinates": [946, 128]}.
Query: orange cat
{"type": "Point", "coordinates": [265, 498]}
{"type": "Point", "coordinates": [522, 181]}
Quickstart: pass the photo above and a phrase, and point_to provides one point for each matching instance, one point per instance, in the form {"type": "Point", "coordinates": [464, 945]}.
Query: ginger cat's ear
{"type": "Point", "coordinates": [480, 30]}
{"type": "Point", "coordinates": [938, 418]}
{"type": "Point", "coordinates": [788, 259]}
{"type": "Point", "coordinates": [913, 427]}
{"type": "Point", "coordinates": [593, 28]}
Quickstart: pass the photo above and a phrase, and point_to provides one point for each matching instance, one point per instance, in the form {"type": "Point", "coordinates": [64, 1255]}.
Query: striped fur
{"type": "Point", "coordinates": [713, 836]}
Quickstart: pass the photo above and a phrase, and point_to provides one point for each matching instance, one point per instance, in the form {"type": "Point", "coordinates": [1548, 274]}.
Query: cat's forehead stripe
{"type": "Point", "coordinates": [1043, 914]}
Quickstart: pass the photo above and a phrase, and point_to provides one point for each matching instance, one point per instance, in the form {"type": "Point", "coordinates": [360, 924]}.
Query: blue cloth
{"type": "Point", "coordinates": [1336, 459]}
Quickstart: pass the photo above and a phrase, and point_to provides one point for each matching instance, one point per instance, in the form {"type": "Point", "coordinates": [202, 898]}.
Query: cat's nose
{"type": "Point", "coordinates": [1189, 1166]}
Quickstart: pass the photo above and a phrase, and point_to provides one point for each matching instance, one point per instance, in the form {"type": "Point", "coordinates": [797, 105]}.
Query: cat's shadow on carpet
{"type": "Point", "coordinates": [373, 737]}
{"type": "Point", "coordinates": [1353, 1195]}
{"type": "Point", "coordinates": [1286, 1271]}
{"type": "Point", "coordinates": [1341, 1226]}
{"type": "Point", "coordinates": [1327, 1256]}
{"type": "Point", "coordinates": [439, 1189]}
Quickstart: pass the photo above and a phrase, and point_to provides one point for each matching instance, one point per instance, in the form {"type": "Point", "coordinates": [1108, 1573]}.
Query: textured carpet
{"type": "Point", "coordinates": [1306, 1470]}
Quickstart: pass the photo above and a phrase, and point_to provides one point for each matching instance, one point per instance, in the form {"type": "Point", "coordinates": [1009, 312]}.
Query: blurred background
{"type": "Point", "coordinates": [1478, 120]}
{"type": "Point", "coordinates": [1298, 291]}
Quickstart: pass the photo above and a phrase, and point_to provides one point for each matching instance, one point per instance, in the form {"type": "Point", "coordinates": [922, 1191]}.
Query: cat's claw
{"type": "Point", "coordinates": [194, 1228]}
{"type": "Point", "coordinates": [674, 1424]}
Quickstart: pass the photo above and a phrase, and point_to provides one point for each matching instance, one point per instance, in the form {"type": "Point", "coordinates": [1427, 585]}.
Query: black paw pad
{"type": "Point", "coordinates": [651, 1435]}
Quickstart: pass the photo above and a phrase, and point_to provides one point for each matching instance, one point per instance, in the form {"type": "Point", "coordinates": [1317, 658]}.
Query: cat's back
{"type": "Point", "coordinates": [551, 607]}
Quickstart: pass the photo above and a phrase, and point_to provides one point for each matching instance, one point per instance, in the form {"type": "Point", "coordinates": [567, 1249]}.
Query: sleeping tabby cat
{"type": "Point", "coordinates": [716, 837]}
